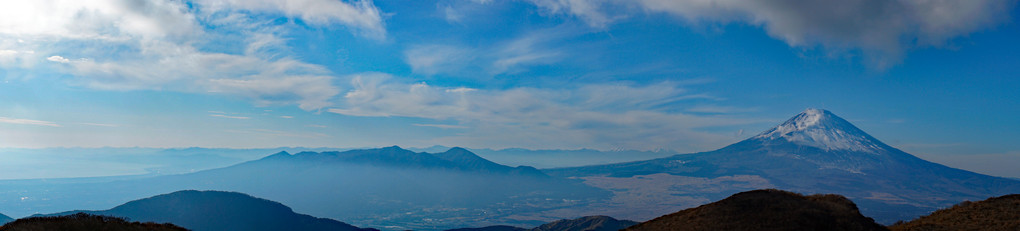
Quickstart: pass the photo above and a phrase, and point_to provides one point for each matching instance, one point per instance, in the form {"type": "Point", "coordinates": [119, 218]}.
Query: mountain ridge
{"type": "Point", "coordinates": [4, 219]}
{"type": "Point", "coordinates": [891, 184]}
{"type": "Point", "coordinates": [455, 158]}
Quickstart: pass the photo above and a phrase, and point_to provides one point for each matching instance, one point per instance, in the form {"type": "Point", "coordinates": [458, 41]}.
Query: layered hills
{"type": "Point", "coordinates": [391, 188]}
{"type": "Point", "coordinates": [815, 152]}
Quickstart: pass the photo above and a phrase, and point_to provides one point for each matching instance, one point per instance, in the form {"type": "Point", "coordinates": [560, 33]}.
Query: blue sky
{"type": "Point", "coordinates": [935, 78]}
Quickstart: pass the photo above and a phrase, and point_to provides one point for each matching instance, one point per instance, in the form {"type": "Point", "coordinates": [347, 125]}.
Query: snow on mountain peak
{"type": "Point", "coordinates": [822, 129]}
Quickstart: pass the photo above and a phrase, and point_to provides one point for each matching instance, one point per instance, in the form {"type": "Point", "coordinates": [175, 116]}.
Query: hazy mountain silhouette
{"type": "Point", "coordinates": [395, 187]}
{"type": "Point", "coordinates": [767, 210]}
{"type": "Point", "coordinates": [589, 223]}
{"type": "Point", "coordinates": [85, 222]}
{"type": "Point", "coordinates": [997, 213]}
{"type": "Point", "coordinates": [390, 188]}
{"type": "Point", "coordinates": [453, 159]}
{"type": "Point", "coordinates": [216, 210]}
{"type": "Point", "coordinates": [4, 219]}
{"type": "Point", "coordinates": [818, 152]}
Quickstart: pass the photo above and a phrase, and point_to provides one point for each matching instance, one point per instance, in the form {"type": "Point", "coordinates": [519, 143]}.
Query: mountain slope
{"type": "Point", "coordinates": [215, 210]}
{"type": "Point", "coordinates": [767, 210]}
{"type": "Point", "coordinates": [4, 219]}
{"type": "Point", "coordinates": [813, 152]}
{"type": "Point", "coordinates": [997, 213]}
{"type": "Point", "coordinates": [589, 223]}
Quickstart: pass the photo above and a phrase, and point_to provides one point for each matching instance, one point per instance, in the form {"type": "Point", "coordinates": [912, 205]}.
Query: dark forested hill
{"type": "Point", "coordinates": [997, 213]}
{"type": "Point", "coordinates": [215, 210]}
{"type": "Point", "coordinates": [767, 210]}
{"type": "Point", "coordinates": [85, 222]}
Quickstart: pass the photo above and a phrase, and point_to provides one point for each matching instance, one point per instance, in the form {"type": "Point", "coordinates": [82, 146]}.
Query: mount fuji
{"type": "Point", "coordinates": [813, 152]}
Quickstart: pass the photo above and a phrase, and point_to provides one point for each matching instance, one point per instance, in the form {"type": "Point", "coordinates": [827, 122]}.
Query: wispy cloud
{"type": "Point", "coordinates": [230, 117]}
{"type": "Point", "coordinates": [443, 126]}
{"type": "Point", "coordinates": [361, 15]}
{"type": "Point", "coordinates": [508, 56]}
{"type": "Point", "coordinates": [287, 117]}
{"type": "Point", "coordinates": [615, 115]}
{"type": "Point", "coordinates": [28, 122]}
{"type": "Point", "coordinates": [277, 133]}
{"type": "Point", "coordinates": [433, 59]}
{"type": "Point", "coordinates": [100, 124]}
{"type": "Point", "coordinates": [719, 109]}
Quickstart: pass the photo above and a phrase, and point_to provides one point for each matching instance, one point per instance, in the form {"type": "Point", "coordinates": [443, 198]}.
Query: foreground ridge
{"type": "Point", "coordinates": [767, 209]}
{"type": "Point", "coordinates": [85, 222]}
{"type": "Point", "coordinates": [996, 213]}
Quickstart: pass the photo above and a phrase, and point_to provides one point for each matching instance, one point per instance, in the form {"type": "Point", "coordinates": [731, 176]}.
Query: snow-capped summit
{"type": "Point", "coordinates": [822, 129]}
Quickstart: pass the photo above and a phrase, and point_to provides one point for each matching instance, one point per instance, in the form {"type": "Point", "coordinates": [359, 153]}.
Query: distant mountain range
{"type": "Point", "coordinates": [393, 188]}
{"type": "Point", "coordinates": [768, 209]}
{"type": "Point", "coordinates": [215, 210]}
{"type": "Point", "coordinates": [556, 158]}
{"type": "Point", "coordinates": [390, 188]}
{"type": "Point", "coordinates": [813, 152]}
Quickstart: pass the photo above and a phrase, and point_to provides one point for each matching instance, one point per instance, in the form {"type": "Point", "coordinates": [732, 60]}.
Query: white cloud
{"type": "Point", "coordinates": [28, 122]}
{"type": "Point", "coordinates": [99, 19]}
{"type": "Point", "coordinates": [510, 56]}
{"type": "Point", "coordinates": [360, 15]}
{"type": "Point", "coordinates": [158, 45]}
{"type": "Point", "coordinates": [16, 58]}
{"type": "Point", "coordinates": [610, 115]}
{"type": "Point", "coordinates": [452, 15]}
{"type": "Point", "coordinates": [433, 59]}
{"type": "Point", "coordinates": [592, 12]}
{"type": "Point", "coordinates": [525, 51]}
{"type": "Point", "coordinates": [881, 29]}
{"type": "Point", "coordinates": [58, 59]}
{"type": "Point", "coordinates": [287, 117]}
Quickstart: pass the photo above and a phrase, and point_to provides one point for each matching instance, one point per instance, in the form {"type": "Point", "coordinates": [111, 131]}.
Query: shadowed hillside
{"type": "Point", "coordinates": [589, 223]}
{"type": "Point", "coordinates": [85, 222]}
{"type": "Point", "coordinates": [768, 209]}
{"type": "Point", "coordinates": [4, 219]}
{"type": "Point", "coordinates": [215, 210]}
{"type": "Point", "coordinates": [997, 213]}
